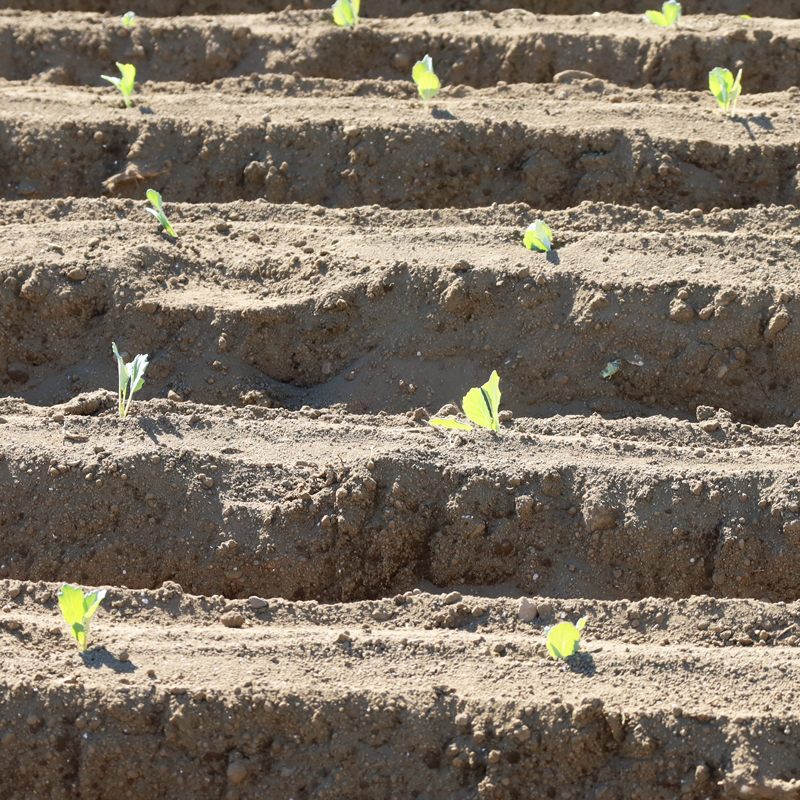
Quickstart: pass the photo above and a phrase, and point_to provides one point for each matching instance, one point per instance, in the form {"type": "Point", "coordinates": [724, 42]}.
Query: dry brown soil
{"type": "Point", "coordinates": [311, 592]}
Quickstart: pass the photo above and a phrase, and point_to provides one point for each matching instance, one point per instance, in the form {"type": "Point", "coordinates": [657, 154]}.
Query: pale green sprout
{"type": "Point", "coordinates": [428, 84]}
{"type": "Point", "coordinates": [345, 13]}
{"type": "Point", "coordinates": [125, 83]}
{"type": "Point", "coordinates": [564, 639]}
{"type": "Point", "coordinates": [670, 13]}
{"type": "Point", "coordinates": [610, 370]}
{"type": "Point", "coordinates": [538, 235]}
{"type": "Point", "coordinates": [131, 379]}
{"type": "Point", "coordinates": [725, 88]}
{"type": "Point", "coordinates": [481, 405]}
{"type": "Point", "coordinates": [158, 212]}
{"type": "Point", "coordinates": [128, 19]}
{"type": "Point", "coordinates": [78, 610]}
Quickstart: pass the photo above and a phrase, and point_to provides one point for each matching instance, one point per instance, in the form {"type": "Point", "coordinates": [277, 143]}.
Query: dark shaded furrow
{"type": "Point", "coordinates": [459, 159]}
{"type": "Point", "coordinates": [536, 512]}
{"type": "Point", "coordinates": [628, 51]}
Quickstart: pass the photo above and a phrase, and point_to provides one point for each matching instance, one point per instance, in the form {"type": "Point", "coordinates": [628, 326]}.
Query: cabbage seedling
{"type": "Point", "coordinates": [158, 212]}
{"type": "Point", "coordinates": [670, 13]}
{"type": "Point", "coordinates": [538, 235]}
{"type": "Point", "coordinates": [725, 88]}
{"type": "Point", "coordinates": [131, 379]}
{"type": "Point", "coordinates": [128, 19]}
{"type": "Point", "coordinates": [125, 83]}
{"type": "Point", "coordinates": [564, 639]}
{"type": "Point", "coordinates": [428, 84]}
{"type": "Point", "coordinates": [481, 405]}
{"type": "Point", "coordinates": [345, 13]}
{"type": "Point", "coordinates": [78, 610]}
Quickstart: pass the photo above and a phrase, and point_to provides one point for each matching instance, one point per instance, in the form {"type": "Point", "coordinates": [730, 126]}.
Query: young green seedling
{"type": "Point", "coordinates": [428, 84]}
{"type": "Point", "coordinates": [481, 405]}
{"type": "Point", "coordinates": [128, 19]}
{"type": "Point", "coordinates": [670, 13]}
{"type": "Point", "coordinates": [565, 638]}
{"type": "Point", "coordinates": [538, 235]}
{"type": "Point", "coordinates": [78, 610]}
{"type": "Point", "coordinates": [610, 370]}
{"type": "Point", "coordinates": [131, 379]}
{"type": "Point", "coordinates": [158, 212]}
{"type": "Point", "coordinates": [125, 83]}
{"type": "Point", "coordinates": [725, 89]}
{"type": "Point", "coordinates": [345, 13]}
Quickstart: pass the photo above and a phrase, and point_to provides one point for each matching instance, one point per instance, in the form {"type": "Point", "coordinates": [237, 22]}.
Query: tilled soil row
{"type": "Point", "coordinates": [477, 50]}
{"type": "Point", "coordinates": [233, 503]}
{"type": "Point", "coordinates": [371, 9]}
{"type": "Point", "coordinates": [551, 147]}
{"type": "Point", "coordinates": [247, 308]}
{"type": "Point", "coordinates": [476, 711]}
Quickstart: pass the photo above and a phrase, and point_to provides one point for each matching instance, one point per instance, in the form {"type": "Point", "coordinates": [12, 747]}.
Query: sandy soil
{"type": "Point", "coordinates": [312, 593]}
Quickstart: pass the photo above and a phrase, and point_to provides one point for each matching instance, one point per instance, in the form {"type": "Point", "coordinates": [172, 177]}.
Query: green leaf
{"type": "Point", "coordinates": [482, 405]}
{"type": "Point", "coordinates": [672, 11]}
{"type": "Point", "coordinates": [91, 603]}
{"type": "Point", "coordinates": [77, 610]}
{"type": "Point", "coordinates": [345, 13]}
{"type": "Point", "coordinates": [449, 423]}
{"type": "Point", "coordinates": [125, 83]}
{"type": "Point", "coordinates": [70, 600]}
{"type": "Point", "coordinates": [610, 370]}
{"type": "Point", "coordinates": [155, 198]}
{"type": "Point", "coordinates": [539, 236]}
{"type": "Point", "coordinates": [726, 90]}
{"type": "Point", "coordinates": [428, 84]}
{"type": "Point", "coordinates": [669, 14]}
{"type": "Point", "coordinates": [421, 67]}
{"type": "Point", "coordinates": [565, 638]}
{"type": "Point", "coordinates": [137, 369]}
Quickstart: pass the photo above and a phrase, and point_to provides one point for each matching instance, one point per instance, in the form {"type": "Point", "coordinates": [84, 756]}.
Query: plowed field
{"type": "Point", "coordinates": [312, 593]}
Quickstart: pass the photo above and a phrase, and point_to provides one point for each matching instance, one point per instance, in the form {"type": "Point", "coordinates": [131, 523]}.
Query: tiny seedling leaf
{"type": "Point", "coordinates": [725, 89]}
{"type": "Point", "coordinates": [128, 19]}
{"type": "Point", "coordinates": [428, 84]}
{"type": "Point", "coordinates": [440, 422]}
{"type": "Point", "coordinates": [345, 13]}
{"type": "Point", "coordinates": [539, 236]}
{"type": "Point", "coordinates": [78, 610]}
{"type": "Point", "coordinates": [125, 83]}
{"type": "Point", "coordinates": [158, 212]}
{"type": "Point", "coordinates": [610, 370]}
{"type": "Point", "coordinates": [670, 13]}
{"type": "Point", "coordinates": [481, 406]}
{"type": "Point", "coordinates": [564, 639]}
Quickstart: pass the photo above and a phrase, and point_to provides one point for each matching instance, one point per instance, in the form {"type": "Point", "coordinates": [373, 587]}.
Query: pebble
{"type": "Point", "coordinates": [233, 619]}
{"type": "Point", "coordinates": [257, 602]}
{"type": "Point", "coordinates": [453, 597]}
{"type": "Point", "coordinates": [528, 611]}
{"type": "Point", "coordinates": [76, 274]}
